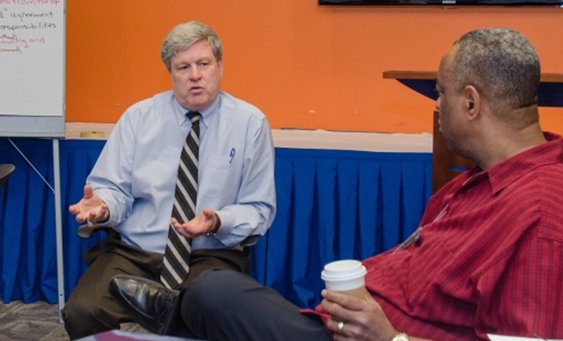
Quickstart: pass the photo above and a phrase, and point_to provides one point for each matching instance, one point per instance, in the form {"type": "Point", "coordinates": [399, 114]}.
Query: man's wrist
{"type": "Point", "coordinates": [215, 226]}
{"type": "Point", "coordinates": [105, 215]}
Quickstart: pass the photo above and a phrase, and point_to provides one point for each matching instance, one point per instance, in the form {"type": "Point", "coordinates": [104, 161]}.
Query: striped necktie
{"type": "Point", "coordinates": [178, 248]}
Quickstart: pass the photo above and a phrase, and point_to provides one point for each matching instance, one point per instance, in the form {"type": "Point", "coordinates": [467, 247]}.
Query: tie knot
{"type": "Point", "coordinates": [194, 116]}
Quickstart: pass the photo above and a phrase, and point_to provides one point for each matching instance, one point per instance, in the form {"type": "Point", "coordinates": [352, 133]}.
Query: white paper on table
{"type": "Point", "coordinates": [494, 337]}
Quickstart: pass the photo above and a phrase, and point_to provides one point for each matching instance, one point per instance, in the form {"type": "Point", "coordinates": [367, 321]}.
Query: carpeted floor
{"type": "Point", "coordinates": [37, 321]}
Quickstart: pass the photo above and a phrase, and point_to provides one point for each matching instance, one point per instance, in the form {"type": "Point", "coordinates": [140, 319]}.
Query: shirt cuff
{"type": "Point", "coordinates": [227, 222]}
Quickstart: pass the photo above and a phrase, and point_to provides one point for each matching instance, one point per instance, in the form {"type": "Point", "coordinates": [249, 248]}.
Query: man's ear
{"type": "Point", "coordinates": [472, 101]}
{"type": "Point", "coordinates": [221, 67]}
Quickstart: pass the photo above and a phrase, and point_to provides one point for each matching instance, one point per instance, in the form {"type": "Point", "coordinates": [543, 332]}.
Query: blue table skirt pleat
{"type": "Point", "coordinates": [331, 205]}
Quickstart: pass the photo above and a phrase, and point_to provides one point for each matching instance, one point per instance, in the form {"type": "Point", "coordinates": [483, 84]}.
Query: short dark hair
{"type": "Point", "coordinates": [501, 64]}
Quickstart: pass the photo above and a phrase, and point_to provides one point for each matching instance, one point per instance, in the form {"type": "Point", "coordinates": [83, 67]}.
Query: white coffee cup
{"type": "Point", "coordinates": [345, 276]}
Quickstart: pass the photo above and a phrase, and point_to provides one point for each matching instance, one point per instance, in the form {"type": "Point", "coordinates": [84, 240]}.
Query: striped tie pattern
{"type": "Point", "coordinates": [178, 248]}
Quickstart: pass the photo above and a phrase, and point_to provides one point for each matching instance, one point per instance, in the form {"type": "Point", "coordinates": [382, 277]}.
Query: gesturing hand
{"type": "Point", "coordinates": [90, 207]}
{"type": "Point", "coordinates": [208, 221]}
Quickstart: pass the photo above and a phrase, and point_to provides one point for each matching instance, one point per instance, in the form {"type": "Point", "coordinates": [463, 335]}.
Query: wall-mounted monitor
{"type": "Point", "coordinates": [511, 3]}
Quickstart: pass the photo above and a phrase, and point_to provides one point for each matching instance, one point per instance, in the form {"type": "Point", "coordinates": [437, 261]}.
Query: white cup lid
{"type": "Point", "coordinates": [343, 270]}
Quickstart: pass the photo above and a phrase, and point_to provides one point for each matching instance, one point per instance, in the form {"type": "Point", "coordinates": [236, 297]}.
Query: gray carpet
{"type": "Point", "coordinates": [37, 321]}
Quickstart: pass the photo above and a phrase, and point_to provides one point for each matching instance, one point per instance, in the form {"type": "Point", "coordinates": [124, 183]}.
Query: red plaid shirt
{"type": "Point", "coordinates": [489, 258]}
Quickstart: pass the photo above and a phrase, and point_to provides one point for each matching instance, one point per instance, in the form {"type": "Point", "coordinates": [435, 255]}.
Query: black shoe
{"type": "Point", "coordinates": [149, 303]}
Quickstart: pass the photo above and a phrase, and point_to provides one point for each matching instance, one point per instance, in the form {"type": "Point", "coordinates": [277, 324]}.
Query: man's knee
{"type": "Point", "coordinates": [76, 310]}
{"type": "Point", "coordinates": [83, 318]}
{"type": "Point", "coordinates": [75, 314]}
{"type": "Point", "coordinates": [217, 288]}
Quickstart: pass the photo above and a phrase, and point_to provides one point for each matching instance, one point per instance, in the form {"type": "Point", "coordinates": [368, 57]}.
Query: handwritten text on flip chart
{"type": "Point", "coordinates": [32, 57]}
{"type": "Point", "coordinates": [25, 24]}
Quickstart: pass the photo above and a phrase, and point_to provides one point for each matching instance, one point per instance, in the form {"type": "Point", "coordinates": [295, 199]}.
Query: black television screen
{"type": "Point", "coordinates": [514, 3]}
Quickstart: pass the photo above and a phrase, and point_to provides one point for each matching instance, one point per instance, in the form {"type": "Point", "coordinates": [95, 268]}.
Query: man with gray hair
{"type": "Point", "coordinates": [485, 259]}
{"type": "Point", "coordinates": [185, 177]}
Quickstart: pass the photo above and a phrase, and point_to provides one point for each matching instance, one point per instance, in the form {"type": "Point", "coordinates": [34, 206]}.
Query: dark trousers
{"type": "Point", "coordinates": [91, 309]}
{"type": "Point", "coordinates": [228, 305]}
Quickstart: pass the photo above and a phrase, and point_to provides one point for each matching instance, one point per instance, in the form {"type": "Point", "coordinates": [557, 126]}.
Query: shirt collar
{"type": "Point", "coordinates": [206, 114]}
{"type": "Point", "coordinates": [504, 173]}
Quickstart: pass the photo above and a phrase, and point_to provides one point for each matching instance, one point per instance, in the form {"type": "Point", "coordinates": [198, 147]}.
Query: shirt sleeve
{"type": "Point", "coordinates": [522, 295]}
{"type": "Point", "coordinates": [111, 176]}
{"type": "Point", "coordinates": [255, 207]}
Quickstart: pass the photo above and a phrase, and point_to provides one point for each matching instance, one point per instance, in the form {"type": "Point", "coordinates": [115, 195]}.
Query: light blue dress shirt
{"type": "Point", "coordinates": [136, 172]}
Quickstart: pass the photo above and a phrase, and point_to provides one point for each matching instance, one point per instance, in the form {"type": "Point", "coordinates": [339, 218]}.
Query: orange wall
{"type": "Point", "coordinates": [304, 65]}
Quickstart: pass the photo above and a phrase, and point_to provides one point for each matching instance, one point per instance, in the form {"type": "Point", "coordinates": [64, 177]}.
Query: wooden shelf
{"type": "Point", "coordinates": [431, 75]}
{"type": "Point", "coordinates": [446, 165]}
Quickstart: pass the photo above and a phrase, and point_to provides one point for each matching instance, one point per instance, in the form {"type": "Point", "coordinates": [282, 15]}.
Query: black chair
{"type": "Point", "coordinates": [5, 171]}
{"type": "Point", "coordinates": [249, 242]}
